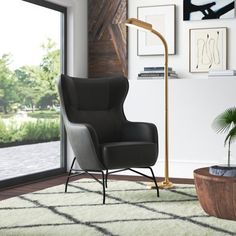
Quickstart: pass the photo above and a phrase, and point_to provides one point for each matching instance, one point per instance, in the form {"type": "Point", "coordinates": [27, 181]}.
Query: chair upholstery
{"type": "Point", "coordinates": [101, 137]}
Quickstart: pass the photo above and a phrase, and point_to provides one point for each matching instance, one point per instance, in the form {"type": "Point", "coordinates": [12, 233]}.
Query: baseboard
{"type": "Point", "coordinates": [142, 178]}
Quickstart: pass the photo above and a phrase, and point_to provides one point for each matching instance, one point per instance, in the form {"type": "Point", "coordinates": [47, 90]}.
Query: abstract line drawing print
{"type": "Point", "coordinates": [208, 9]}
{"type": "Point", "coordinates": [207, 49]}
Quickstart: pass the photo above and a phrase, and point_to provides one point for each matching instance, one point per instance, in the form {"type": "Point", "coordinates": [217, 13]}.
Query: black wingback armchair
{"type": "Point", "coordinates": [101, 137]}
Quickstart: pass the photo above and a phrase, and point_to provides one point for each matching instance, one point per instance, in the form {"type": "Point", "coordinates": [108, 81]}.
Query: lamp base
{"type": "Point", "coordinates": [165, 184]}
{"type": "Point", "coordinates": [161, 185]}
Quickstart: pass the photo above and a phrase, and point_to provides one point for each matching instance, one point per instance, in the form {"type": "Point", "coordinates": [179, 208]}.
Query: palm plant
{"type": "Point", "coordinates": [226, 123]}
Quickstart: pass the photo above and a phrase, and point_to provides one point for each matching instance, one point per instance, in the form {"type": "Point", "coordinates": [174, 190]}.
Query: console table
{"type": "Point", "coordinates": [188, 98]}
{"type": "Point", "coordinates": [217, 194]}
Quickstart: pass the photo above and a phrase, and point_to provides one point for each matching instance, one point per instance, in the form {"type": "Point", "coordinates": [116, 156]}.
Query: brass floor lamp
{"type": "Point", "coordinates": [141, 25]}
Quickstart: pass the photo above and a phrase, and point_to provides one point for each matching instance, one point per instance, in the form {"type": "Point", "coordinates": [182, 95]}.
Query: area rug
{"type": "Point", "coordinates": [130, 209]}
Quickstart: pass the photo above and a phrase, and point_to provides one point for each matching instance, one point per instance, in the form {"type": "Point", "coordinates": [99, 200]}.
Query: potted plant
{"type": "Point", "coordinates": [226, 123]}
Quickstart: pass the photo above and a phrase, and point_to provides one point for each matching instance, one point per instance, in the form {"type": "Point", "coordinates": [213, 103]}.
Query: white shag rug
{"type": "Point", "coordinates": [130, 209]}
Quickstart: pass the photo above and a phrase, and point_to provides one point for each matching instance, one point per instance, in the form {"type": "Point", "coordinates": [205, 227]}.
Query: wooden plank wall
{"type": "Point", "coordinates": [107, 36]}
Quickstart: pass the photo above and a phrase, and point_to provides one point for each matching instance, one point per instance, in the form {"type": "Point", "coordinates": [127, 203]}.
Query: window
{"type": "Point", "coordinates": [32, 56]}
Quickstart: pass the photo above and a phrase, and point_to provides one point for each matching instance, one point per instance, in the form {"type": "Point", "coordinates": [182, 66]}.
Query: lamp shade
{"type": "Point", "coordinates": [138, 24]}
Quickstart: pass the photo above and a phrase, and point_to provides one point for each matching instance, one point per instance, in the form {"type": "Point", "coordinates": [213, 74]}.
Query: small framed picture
{"type": "Point", "coordinates": [207, 49]}
{"type": "Point", "coordinates": [162, 19]}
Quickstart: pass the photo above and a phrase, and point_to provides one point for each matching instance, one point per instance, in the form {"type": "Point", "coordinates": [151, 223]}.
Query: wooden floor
{"type": "Point", "coordinates": [57, 180]}
{"type": "Point", "coordinates": [31, 187]}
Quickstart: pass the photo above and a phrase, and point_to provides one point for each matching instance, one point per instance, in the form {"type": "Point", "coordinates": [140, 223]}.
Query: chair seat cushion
{"type": "Point", "coordinates": [118, 155]}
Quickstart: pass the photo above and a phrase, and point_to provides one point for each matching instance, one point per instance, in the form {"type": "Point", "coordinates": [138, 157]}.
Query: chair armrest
{"type": "Point", "coordinates": [140, 131]}
{"type": "Point", "coordinates": [84, 143]}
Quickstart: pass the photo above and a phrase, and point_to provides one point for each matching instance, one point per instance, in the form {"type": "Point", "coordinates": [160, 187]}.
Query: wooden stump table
{"type": "Point", "coordinates": [217, 194]}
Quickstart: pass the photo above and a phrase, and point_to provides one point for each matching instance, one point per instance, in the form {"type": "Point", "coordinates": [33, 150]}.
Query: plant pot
{"type": "Point", "coordinates": [223, 170]}
{"type": "Point", "coordinates": [216, 194]}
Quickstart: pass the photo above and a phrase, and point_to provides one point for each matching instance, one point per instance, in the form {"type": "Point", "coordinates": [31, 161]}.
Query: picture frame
{"type": "Point", "coordinates": [208, 9]}
{"type": "Point", "coordinates": [207, 49]}
{"type": "Point", "coordinates": [162, 18]}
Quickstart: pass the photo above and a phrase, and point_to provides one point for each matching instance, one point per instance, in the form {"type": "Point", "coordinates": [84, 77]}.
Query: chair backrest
{"type": "Point", "coordinates": [98, 102]}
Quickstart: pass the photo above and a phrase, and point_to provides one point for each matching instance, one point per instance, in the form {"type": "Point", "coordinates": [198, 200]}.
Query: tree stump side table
{"type": "Point", "coordinates": [217, 194]}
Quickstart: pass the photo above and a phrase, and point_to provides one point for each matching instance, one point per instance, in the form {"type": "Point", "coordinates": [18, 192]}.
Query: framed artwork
{"type": "Point", "coordinates": [207, 49]}
{"type": "Point", "coordinates": [162, 19]}
{"type": "Point", "coordinates": [208, 9]}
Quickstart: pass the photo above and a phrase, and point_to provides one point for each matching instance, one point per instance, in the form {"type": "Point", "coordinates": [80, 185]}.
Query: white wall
{"type": "Point", "coordinates": [193, 102]}
{"type": "Point", "coordinates": [180, 61]}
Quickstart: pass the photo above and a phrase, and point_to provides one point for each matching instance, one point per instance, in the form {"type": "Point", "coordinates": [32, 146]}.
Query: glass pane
{"type": "Point", "coordinates": [29, 107]}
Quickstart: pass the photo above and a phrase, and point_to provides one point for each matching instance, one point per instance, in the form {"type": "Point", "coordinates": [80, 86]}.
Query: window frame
{"type": "Point", "coordinates": [63, 141]}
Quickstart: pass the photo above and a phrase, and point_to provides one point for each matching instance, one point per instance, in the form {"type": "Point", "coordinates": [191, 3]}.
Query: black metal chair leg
{"type": "Point", "coordinates": [106, 176]}
{"type": "Point", "coordinates": [103, 187]}
{"type": "Point", "coordinates": [68, 177]}
{"type": "Point", "coordinates": [154, 180]}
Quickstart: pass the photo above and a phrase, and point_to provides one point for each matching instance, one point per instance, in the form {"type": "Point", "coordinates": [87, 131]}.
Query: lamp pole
{"type": "Point", "coordinates": [141, 25]}
{"type": "Point", "coordinates": [166, 183]}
